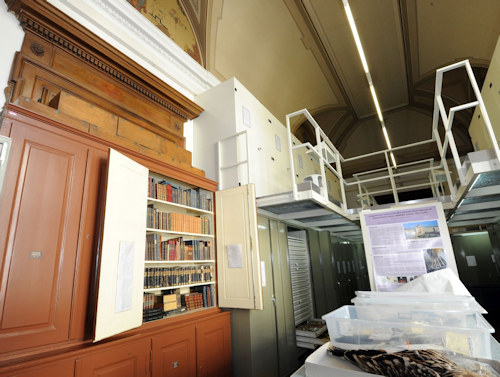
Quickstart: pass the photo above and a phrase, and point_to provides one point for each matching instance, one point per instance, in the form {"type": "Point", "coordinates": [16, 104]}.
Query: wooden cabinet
{"type": "Point", "coordinates": [64, 368]}
{"type": "Point", "coordinates": [40, 228]}
{"type": "Point", "coordinates": [213, 347]}
{"type": "Point", "coordinates": [69, 103]}
{"type": "Point", "coordinates": [51, 226]}
{"type": "Point", "coordinates": [238, 260]}
{"type": "Point", "coordinates": [174, 353]}
{"type": "Point", "coordinates": [127, 360]}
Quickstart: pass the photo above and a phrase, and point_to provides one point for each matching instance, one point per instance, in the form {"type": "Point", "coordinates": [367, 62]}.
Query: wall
{"type": "Point", "coordinates": [9, 26]}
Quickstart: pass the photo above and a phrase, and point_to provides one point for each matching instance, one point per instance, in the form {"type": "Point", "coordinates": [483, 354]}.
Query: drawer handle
{"type": "Point", "coordinates": [175, 364]}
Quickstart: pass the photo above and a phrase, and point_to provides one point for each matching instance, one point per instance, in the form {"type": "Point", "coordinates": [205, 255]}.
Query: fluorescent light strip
{"type": "Point", "coordinates": [361, 53]}
{"type": "Point", "coordinates": [355, 34]}
{"type": "Point", "coordinates": [386, 136]}
{"type": "Point", "coordinates": [377, 106]}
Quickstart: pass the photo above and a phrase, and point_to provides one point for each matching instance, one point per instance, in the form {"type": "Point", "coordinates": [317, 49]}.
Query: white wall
{"type": "Point", "coordinates": [12, 39]}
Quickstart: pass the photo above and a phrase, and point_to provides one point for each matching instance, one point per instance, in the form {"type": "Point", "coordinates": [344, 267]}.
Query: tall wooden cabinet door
{"type": "Point", "coordinates": [213, 347]}
{"type": "Point", "coordinates": [39, 227]}
{"type": "Point", "coordinates": [174, 353]}
{"type": "Point", "coordinates": [238, 259]}
{"type": "Point", "coordinates": [121, 270]}
{"type": "Point", "coordinates": [128, 360]}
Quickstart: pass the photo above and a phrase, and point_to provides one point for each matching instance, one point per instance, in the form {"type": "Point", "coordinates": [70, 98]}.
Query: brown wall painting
{"type": "Point", "coordinates": [170, 18]}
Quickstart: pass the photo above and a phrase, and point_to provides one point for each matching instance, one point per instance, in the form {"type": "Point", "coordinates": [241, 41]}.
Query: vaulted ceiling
{"type": "Point", "coordinates": [295, 54]}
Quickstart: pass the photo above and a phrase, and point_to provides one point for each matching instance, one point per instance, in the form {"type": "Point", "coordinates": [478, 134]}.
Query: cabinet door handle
{"type": "Point", "coordinates": [175, 364]}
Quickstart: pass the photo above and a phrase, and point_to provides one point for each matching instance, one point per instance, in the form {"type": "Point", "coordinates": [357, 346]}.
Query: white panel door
{"type": "Point", "coordinates": [121, 275]}
{"type": "Point", "coordinates": [238, 259]}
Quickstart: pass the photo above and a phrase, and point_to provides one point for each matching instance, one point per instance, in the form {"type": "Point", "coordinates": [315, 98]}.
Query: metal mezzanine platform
{"type": "Point", "coordinates": [469, 190]}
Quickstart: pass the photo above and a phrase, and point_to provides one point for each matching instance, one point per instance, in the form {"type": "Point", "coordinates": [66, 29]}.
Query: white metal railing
{"type": "Point", "coordinates": [447, 119]}
{"type": "Point", "coordinates": [330, 158]}
{"type": "Point", "coordinates": [236, 162]}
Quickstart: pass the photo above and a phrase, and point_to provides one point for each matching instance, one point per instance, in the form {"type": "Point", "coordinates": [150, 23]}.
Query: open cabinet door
{"type": "Point", "coordinates": [121, 275]}
{"type": "Point", "coordinates": [238, 259]}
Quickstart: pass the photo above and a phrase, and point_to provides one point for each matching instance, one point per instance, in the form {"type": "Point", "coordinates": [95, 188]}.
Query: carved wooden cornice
{"type": "Point", "coordinates": [42, 19]}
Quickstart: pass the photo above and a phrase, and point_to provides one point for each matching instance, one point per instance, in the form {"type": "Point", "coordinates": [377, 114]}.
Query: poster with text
{"type": "Point", "coordinates": [404, 242]}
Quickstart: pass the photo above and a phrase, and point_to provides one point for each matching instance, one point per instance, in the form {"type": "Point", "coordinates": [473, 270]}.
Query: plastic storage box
{"type": "Point", "coordinates": [445, 318]}
{"type": "Point", "coordinates": [410, 300]}
{"type": "Point", "coordinates": [349, 330]}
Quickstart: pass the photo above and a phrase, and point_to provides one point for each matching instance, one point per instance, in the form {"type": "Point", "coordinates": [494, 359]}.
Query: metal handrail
{"type": "Point", "coordinates": [325, 147]}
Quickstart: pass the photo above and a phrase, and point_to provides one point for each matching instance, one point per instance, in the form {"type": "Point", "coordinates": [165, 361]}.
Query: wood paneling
{"type": "Point", "coordinates": [41, 215]}
{"type": "Point", "coordinates": [174, 353]}
{"type": "Point", "coordinates": [128, 360]}
{"type": "Point", "coordinates": [49, 94]}
{"type": "Point", "coordinates": [213, 347]}
{"type": "Point", "coordinates": [64, 368]}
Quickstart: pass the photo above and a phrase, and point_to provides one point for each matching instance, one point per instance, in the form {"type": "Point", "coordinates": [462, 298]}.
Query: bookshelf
{"type": "Point", "coordinates": [179, 259]}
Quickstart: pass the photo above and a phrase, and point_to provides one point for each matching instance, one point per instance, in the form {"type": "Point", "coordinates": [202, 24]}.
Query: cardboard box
{"type": "Point", "coordinates": [171, 302]}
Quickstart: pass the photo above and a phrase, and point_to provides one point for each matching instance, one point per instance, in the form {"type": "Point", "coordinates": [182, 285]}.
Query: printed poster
{"type": "Point", "coordinates": [405, 242]}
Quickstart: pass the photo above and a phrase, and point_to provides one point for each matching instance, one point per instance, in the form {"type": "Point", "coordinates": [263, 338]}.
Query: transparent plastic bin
{"type": "Point", "coordinates": [402, 313]}
{"type": "Point", "coordinates": [347, 330]}
{"type": "Point", "coordinates": [411, 300]}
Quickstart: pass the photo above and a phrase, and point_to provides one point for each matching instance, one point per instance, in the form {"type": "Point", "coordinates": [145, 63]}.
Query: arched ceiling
{"type": "Point", "coordinates": [295, 54]}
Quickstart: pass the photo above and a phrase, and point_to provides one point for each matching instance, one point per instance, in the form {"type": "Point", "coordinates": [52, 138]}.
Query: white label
{"type": "Point", "coordinates": [471, 260]}
{"type": "Point", "coordinates": [246, 117]}
{"type": "Point", "coordinates": [277, 142]}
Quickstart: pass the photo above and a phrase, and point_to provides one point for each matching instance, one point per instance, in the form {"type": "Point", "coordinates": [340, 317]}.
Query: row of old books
{"type": "Point", "coordinates": [206, 292]}
{"type": "Point", "coordinates": [177, 222]}
{"type": "Point", "coordinates": [176, 249]}
{"type": "Point", "coordinates": [176, 193]}
{"type": "Point", "coordinates": [172, 302]}
{"type": "Point", "coordinates": [152, 314]}
{"type": "Point", "coordinates": [164, 277]}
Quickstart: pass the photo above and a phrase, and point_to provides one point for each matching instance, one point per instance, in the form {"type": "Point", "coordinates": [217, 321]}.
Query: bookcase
{"type": "Point", "coordinates": [73, 228]}
{"type": "Point", "coordinates": [179, 267]}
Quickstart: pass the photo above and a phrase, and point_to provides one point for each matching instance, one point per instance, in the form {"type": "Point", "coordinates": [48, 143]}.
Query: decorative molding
{"type": "Point", "coordinates": [118, 23]}
{"type": "Point", "coordinates": [97, 63]}
{"type": "Point", "coordinates": [37, 49]}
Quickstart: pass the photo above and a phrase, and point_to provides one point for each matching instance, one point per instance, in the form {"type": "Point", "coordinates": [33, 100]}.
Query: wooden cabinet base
{"type": "Point", "coordinates": [197, 347]}
{"type": "Point", "coordinates": [174, 353]}
{"type": "Point", "coordinates": [129, 360]}
{"type": "Point", "coordinates": [60, 368]}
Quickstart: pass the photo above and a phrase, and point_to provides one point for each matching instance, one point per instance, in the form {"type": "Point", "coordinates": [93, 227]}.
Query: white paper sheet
{"type": "Point", "coordinates": [124, 277]}
{"type": "Point", "coordinates": [234, 256]}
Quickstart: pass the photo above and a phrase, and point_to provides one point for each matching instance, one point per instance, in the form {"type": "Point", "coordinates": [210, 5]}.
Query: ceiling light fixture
{"type": "Point", "coordinates": [361, 53]}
